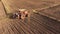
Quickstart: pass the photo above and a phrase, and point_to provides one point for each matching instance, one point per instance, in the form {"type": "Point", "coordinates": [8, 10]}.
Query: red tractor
{"type": "Point", "coordinates": [21, 14]}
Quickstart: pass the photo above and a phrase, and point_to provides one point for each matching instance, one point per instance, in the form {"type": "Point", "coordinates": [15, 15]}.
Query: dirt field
{"type": "Point", "coordinates": [2, 12]}
{"type": "Point", "coordinates": [13, 5]}
{"type": "Point", "coordinates": [37, 24]}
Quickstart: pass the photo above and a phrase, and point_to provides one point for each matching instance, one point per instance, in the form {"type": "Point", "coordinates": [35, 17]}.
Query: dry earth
{"type": "Point", "coordinates": [37, 24]}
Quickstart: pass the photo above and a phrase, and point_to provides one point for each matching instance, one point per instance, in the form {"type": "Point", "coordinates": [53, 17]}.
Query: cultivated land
{"type": "Point", "coordinates": [37, 23]}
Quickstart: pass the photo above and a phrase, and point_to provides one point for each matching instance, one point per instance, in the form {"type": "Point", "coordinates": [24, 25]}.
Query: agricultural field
{"type": "Point", "coordinates": [38, 23]}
